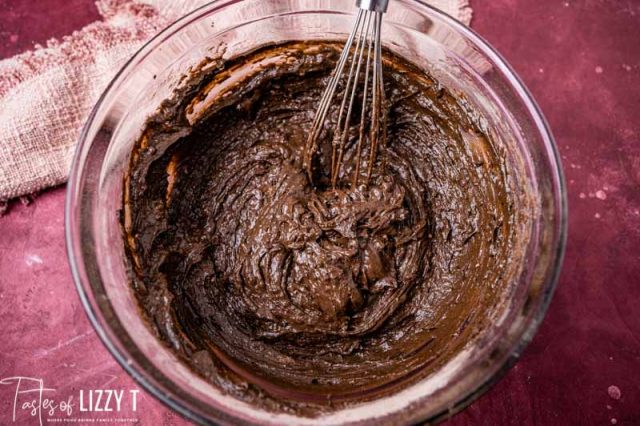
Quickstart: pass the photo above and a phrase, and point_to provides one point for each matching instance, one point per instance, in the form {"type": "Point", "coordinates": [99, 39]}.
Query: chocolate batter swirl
{"type": "Point", "coordinates": [302, 297]}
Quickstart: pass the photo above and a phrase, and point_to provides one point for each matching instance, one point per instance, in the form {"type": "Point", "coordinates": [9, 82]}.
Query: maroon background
{"type": "Point", "coordinates": [581, 60]}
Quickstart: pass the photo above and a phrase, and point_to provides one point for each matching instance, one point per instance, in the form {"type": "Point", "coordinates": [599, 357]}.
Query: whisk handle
{"type": "Point", "coordinates": [375, 5]}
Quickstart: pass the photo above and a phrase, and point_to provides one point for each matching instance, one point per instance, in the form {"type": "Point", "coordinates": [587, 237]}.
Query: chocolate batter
{"type": "Point", "coordinates": [300, 297]}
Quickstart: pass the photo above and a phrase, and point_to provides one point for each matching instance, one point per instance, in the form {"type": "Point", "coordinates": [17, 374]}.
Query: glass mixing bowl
{"type": "Point", "coordinates": [449, 51]}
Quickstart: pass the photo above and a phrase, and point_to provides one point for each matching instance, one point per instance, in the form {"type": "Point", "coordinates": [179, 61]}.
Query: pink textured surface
{"type": "Point", "coordinates": [581, 60]}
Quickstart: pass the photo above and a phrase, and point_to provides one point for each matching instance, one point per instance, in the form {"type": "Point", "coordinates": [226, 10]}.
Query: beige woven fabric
{"type": "Point", "coordinates": [46, 94]}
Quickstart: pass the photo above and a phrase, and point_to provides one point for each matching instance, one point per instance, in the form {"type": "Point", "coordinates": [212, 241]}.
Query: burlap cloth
{"type": "Point", "coordinates": [46, 94]}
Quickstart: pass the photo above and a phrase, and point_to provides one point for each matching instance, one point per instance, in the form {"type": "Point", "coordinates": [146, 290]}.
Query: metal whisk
{"type": "Point", "coordinates": [368, 53]}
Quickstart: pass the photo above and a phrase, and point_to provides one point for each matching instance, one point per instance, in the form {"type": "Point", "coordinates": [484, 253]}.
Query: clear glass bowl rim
{"type": "Point", "coordinates": [559, 190]}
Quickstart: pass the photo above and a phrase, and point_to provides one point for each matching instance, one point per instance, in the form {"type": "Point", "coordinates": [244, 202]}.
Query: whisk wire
{"type": "Point", "coordinates": [327, 96]}
{"type": "Point", "coordinates": [377, 130]}
{"type": "Point", "coordinates": [365, 34]}
{"type": "Point", "coordinates": [349, 90]}
{"type": "Point", "coordinates": [363, 115]}
{"type": "Point", "coordinates": [325, 101]}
